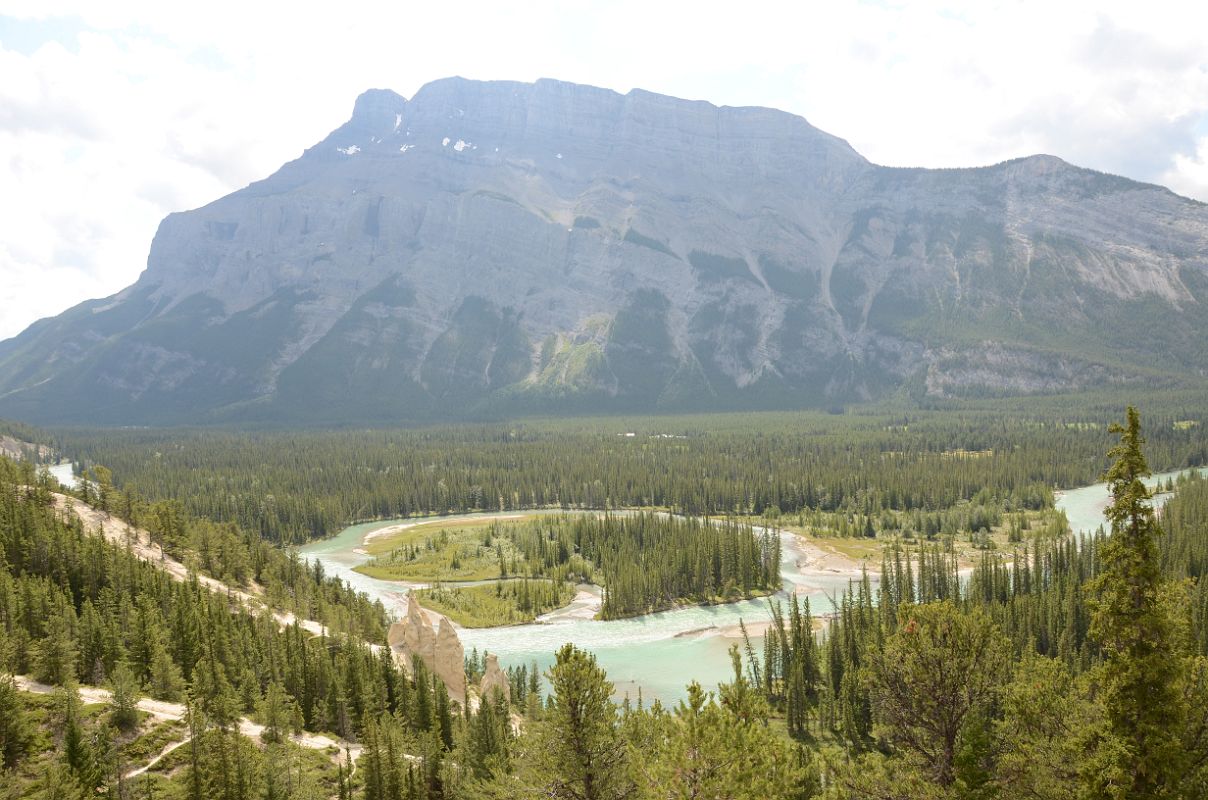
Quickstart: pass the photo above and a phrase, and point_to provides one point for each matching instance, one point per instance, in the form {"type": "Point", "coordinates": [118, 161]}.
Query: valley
{"type": "Point", "coordinates": [649, 654]}
{"type": "Point", "coordinates": [862, 518]}
{"type": "Point", "coordinates": [538, 440]}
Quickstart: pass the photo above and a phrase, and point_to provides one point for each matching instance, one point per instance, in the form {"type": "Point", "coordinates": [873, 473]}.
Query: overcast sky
{"type": "Point", "coordinates": [114, 113]}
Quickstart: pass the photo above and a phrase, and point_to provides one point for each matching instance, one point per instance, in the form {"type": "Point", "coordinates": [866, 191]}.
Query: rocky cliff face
{"type": "Point", "coordinates": [486, 248]}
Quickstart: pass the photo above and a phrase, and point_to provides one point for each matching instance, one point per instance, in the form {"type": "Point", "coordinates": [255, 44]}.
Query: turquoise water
{"type": "Point", "coordinates": [656, 654]}
{"type": "Point", "coordinates": [63, 474]}
{"type": "Point", "coordinates": [1084, 507]}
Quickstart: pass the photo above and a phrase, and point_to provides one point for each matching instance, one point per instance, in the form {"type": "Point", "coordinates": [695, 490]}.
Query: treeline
{"type": "Point", "coordinates": [1184, 547]}
{"type": "Point", "coordinates": [1076, 671]}
{"type": "Point", "coordinates": [1039, 598]}
{"type": "Point", "coordinates": [22, 432]}
{"type": "Point", "coordinates": [503, 603]}
{"type": "Point", "coordinates": [304, 485]}
{"type": "Point", "coordinates": [73, 606]}
{"type": "Point", "coordinates": [980, 515]}
{"type": "Point", "coordinates": [646, 561]}
{"type": "Point", "coordinates": [651, 562]}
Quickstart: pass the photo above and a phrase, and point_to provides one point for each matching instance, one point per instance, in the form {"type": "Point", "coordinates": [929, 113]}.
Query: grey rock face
{"type": "Point", "coordinates": [487, 248]}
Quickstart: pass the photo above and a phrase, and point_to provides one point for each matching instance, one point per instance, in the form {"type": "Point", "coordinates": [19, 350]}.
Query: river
{"type": "Point", "coordinates": [656, 654]}
{"type": "Point", "coordinates": [63, 474]}
{"type": "Point", "coordinates": [1084, 507]}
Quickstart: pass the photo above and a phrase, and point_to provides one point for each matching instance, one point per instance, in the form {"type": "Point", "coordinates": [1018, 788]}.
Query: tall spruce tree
{"type": "Point", "coordinates": [1141, 675]}
{"type": "Point", "coordinates": [124, 707]}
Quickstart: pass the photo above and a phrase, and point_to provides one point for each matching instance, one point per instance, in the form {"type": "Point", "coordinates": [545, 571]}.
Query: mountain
{"type": "Point", "coordinates": [495, 247]}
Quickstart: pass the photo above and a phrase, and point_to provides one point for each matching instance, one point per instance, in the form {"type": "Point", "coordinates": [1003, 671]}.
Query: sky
{"type": "Point", "coordinates": [114, 114]}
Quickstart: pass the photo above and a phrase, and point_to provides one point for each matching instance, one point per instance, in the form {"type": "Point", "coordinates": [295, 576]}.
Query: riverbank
{"type": "Point", "coordinates": [640, 653]}
{"type": "Point", "coordinates": [479, 571]}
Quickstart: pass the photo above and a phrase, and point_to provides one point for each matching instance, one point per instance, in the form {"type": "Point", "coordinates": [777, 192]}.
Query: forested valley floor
{"type": "Point", "coordinates": [998, 656]}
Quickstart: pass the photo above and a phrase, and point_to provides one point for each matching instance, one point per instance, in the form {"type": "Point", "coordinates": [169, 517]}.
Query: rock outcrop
{"type": "Point", "coordinates": [440, 650]}
{"type": "Point", "coordinates": [494, 680]}
{"type": "Point", "coordinates": [449, 660]}
{"type": "Point", "coordinates": [483, 248]}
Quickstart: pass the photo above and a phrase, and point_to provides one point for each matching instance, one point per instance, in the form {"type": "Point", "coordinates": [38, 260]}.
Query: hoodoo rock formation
{"type": "Point", "coordinates": [439, 649]}
{"type": "Point", "coordinates": [494, 680]}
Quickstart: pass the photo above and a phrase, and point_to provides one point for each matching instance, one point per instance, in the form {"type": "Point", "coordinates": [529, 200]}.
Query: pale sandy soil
{"type": "Point", "coordinates": [585, 605]}
{"type": "Point", "coordinates": [16, 449]}
{"type": "Point", "coordinates": [160, 756]}
{"type": "Point", "coordinates": [754, 629]}
{"type": "Point", "coordinates": [380, 532]}
{"type": "Point", "coordinates": [138, 540]}
{"type": "Point", "coordinates": [761, 628]}
{"type": "Point", "coordinates": [821, 559]}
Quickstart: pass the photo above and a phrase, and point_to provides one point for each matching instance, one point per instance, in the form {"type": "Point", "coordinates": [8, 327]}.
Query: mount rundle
{"type": "Point", "coordinates": [490, 248]}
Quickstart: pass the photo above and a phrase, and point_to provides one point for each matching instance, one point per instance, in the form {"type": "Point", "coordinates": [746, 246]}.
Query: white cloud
{"type": "Point", "coordinates": [1188, 174]}
{"type": "Point", "coordinates": [114, 114]}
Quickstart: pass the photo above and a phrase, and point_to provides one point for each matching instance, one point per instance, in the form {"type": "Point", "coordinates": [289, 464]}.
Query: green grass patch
{"type": "Point", "coordinates": [502, 603]}
{"type": "Point", "coordinates": [445, 550]}
{"type": "Point", "coordinates": [150, 740]}
{"type": "Point", "coordinates": [422, 531]}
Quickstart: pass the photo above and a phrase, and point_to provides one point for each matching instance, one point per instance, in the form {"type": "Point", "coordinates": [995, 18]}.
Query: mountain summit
{"type": "Point", "coordinates": [497, 247]}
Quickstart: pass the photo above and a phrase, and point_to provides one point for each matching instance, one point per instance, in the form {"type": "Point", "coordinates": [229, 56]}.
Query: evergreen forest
{"type": "Point", "coordinates": [984, 652]}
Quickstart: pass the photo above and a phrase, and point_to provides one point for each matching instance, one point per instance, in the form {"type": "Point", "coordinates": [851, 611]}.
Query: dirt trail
{"type": "Point", "coordinates": [162, 710]}
{"type": "Point", "coordinates": [134, 773]}
{"type": "Point", "coordinates": [122, 534]}
{"type": "Point", "coordinates": [139, 541]}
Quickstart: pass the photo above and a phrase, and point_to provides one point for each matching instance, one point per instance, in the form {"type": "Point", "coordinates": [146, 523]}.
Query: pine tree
{"type": "Point", "coordinates": [444, 716]}
{"type": "Point", "coordinates": [1141, 675]}
{"type": "Point", "coordinates": [15, 730]}
{"type": "Point", "coordinates": [78, 753]}
{"type": "Point", "coordinates": [424, 716]}
{"type": "Point", "coordinates": [711, 749]}
{"type": "Point", "coordinates": [579, 754]}
{"type": "Point", "coordinates": [54, 656]}
{"type": "Point", "coordinates": [279, 713]}
{"type": "Point", "coordinates": [488, 734]}
{"type": "Point", "coordinates": [165, 681]}
{"type": "Point", "coordinates": [124, 713]}
{"type": "Point", "coordinates": [373, 769]}
{"type": "Point", "coordinates": [936, 673]}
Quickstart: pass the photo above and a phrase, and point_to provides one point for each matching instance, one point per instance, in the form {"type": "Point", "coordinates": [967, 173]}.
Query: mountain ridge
{"type": "Point", "coordinates": [499, 247]}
